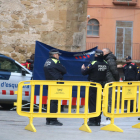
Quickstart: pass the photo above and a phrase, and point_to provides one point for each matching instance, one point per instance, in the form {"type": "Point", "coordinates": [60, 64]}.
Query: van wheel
{"type": "Point", "coordinates": [7, 106]}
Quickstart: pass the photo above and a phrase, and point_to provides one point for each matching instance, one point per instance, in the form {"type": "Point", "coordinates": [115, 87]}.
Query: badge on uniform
{"type": "Point", "coordinates": [130, 67]}
{"type": "Point", "coordinates": [88, 66]}
{"type": "Point", "coordinates": [47, 63]}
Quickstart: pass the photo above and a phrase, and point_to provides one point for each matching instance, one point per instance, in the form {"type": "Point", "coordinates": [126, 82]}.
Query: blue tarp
{"type": "Point", "coordinates": [72, 61]}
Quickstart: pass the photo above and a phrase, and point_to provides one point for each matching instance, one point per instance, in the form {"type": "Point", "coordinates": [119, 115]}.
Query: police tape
{"type": "Point", "coordinates": [12, 92]}
{"type": "Point", "coordinates": [63, 102]}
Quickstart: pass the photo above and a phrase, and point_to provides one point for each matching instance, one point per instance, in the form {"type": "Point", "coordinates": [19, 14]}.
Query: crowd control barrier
{"type": "Point", "coordinates": [59, 90]}
{"type": "Point", "coordinates": [123, 93]}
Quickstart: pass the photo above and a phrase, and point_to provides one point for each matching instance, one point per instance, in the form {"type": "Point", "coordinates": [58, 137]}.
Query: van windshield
{"type": "Point", "coordinates": [7, 65]}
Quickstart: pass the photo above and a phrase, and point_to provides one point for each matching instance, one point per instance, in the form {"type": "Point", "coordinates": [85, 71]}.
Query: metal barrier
{"type": "Point", "coordinates": [59, 90]}
{"type": "Point", "coordinates": [119, 53]}
{"type": "Point", "coordinates": [129, 92]}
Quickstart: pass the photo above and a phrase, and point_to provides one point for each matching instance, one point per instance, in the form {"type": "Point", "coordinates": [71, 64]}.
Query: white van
{"type": "Point", "coordinates": [11, 73]}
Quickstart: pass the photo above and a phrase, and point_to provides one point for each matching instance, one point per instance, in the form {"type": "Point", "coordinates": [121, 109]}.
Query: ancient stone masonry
{"type": "Point", "coordinates": [59, 23]}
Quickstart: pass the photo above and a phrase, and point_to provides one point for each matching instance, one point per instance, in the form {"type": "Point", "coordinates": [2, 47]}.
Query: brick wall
{"type": "Point", "coordinates": [59, 23]}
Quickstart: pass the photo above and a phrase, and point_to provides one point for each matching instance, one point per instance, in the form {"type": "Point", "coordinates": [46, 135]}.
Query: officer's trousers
{"type": "Point", "coordinates": [92, 104]}
{"type": "Point", "coordinates": [53, 109]}
{"type": "Point", "coordinates": [131, 105]}
{"type": "Point", "coordinates": [109, 101]}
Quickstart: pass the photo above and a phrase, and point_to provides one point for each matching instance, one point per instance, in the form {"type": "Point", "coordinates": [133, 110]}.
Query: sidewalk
{"type": "Point", "coordinates": [12, 128]}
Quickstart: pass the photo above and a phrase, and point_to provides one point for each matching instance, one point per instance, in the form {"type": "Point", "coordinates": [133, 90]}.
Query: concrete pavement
{"type": "Point", "coordinates": [12, 128]}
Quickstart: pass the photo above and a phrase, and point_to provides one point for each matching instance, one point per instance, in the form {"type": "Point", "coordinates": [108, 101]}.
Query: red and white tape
{"type": "Point", "coordinates": [11, 92]}
{"type": "Point", "coordinates": [63, 102]}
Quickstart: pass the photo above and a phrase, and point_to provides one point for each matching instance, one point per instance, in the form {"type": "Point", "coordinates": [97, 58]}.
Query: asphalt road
{"type": "Point", "coordinates": [12, 128]}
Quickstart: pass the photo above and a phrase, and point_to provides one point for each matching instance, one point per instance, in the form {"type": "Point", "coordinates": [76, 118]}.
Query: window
{"type": "Point", "coordinates": [10, 66]}
{"type": "Point", "coordinates": [124, 32]}
{"type": "Point", "coordinates": [93, 27]}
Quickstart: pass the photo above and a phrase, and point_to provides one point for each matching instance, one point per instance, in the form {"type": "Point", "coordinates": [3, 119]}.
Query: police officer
{"type": "Point", "coordinates": [53, 70]}
{"type": "Point", "coordinates": [130, 73]}
{"type": "Point", "coordinates": [96, 72]}
{"type": "Point", "coordinates": [130, 70]}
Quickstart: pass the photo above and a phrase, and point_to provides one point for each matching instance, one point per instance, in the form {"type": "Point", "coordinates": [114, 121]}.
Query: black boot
{"type": "Point", "coordinates": [91, 123]}
{"type": "Point", "coordinates": [56, 123]}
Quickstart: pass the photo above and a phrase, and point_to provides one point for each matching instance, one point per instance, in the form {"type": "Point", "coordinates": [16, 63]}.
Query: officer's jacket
{"type": "Point", "coordinates": [96, 70]}
{"type": "Point", "coordinates": [112, 73]}
{"type": "Point", "coordinates": [130, 71]}
{"type": "Point", "coordinates": [53, 69]}
{"type": "Point", "coordinates": [138, 75]}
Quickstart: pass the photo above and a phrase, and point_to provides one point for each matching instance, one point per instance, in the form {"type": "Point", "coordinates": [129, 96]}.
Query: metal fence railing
{"type": "Point", "coordinates": [124, 0]}
{"type": "Point", "coordinates": [121, 50]}
{"type": "Point", "coordinates": [59, 91]}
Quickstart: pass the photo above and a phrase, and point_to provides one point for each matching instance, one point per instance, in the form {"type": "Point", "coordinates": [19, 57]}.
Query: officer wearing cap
{"type": "Point", "coordinates": [96, 72]}
{"type": "Point", "coordinates": [130, 71]}
{"type": "Point", "coordinates": [53, 70]}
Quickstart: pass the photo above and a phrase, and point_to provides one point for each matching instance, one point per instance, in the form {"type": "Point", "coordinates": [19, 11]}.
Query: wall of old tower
{"type": "Point", "coordinates": [59, 23]}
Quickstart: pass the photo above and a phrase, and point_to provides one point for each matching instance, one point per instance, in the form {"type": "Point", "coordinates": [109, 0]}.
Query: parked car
{"type": "Point", "coordinates": [11, 73]}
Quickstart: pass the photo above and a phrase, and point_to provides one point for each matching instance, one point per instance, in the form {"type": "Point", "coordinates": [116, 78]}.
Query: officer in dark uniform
{"type": "Point", "coordinates": [96, 72]}
{"type": "Point", "coordinates": [130, 71]}
{"type": "Point", "coordinates": [53, 70]}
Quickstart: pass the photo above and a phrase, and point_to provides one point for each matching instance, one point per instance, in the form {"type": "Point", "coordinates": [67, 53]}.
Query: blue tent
{"type": "Point", "coordinates": [72, 61]}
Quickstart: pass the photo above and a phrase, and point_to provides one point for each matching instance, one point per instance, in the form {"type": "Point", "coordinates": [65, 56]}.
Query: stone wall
{"type": "Point", "coordinates": [59, 23]}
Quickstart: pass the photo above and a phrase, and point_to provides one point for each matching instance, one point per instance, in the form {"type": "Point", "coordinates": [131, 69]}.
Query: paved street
{"type": "Point", "coordinates": [12, 128]}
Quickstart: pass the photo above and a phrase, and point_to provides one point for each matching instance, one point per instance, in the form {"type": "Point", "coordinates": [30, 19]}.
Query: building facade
{"type": "Point", "coordinates": [114, 24]}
